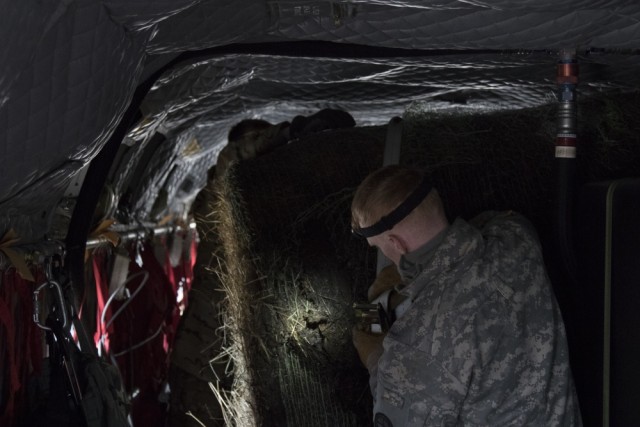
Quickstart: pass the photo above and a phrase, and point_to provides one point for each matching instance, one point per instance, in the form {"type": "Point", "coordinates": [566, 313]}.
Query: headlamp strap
{"type": "Point", "coordinates": [388, 221]}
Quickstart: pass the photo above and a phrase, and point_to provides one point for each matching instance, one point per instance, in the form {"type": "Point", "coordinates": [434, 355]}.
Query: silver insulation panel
{"type": "Point", "coordinates": [70, 69]}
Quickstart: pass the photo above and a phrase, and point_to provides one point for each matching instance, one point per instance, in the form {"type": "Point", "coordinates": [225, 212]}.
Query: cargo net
{"type": "Point", "coordinates": [291, 269]}
{"type": "Point", "coordinates": [505, 160]}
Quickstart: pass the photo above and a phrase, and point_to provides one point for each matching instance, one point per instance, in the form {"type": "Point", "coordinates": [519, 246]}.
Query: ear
{"type": "Point", "coordinates": [398, 243]}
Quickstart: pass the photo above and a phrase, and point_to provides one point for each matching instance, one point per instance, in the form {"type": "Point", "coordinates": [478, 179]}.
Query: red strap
{"type": "Point", "coordinates": [184, 272]}
{"type": "Point", "coordinates": [101, 337]}
{"type": "Point", "coordinates": [191, 262]}
{"type": "Point", "coordinates": [171, 276]}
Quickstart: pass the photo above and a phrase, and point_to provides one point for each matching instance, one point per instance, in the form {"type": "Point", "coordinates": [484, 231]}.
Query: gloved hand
{"type": "Point", "coordinates": [388, 278]}
{"type": "Point", "coordinates": [369, 346]}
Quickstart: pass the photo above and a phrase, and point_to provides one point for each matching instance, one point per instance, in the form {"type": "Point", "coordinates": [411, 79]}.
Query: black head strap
{"type": "Point", "coordinates": [388, 221]}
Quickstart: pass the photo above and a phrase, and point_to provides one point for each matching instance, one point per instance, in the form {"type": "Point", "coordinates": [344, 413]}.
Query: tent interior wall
{"type": "Point", "coordinates": [203, 296]}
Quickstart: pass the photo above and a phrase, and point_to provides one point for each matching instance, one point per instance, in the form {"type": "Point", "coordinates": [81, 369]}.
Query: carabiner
{"type": "Point", "coordinates": [36, 304]}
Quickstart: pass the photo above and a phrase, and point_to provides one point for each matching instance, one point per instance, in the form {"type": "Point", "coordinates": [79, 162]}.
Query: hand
{"type": "Point", "coordinates": [388, 278]}
{"type": "Point", "coordinates": [369, 346]}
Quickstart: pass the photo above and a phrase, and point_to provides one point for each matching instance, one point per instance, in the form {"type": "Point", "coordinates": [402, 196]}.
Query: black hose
{"type": "Point", "coordinates": [565, 163]}
{"type": "Point", "coordinates": [564, 213]}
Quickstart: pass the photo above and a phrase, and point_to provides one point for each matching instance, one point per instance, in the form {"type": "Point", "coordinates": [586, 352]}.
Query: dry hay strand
{"type": "Point", "coordinates": [242, 315]}
{"type": "Point", "coordinates": [222, 391]}
{"type": "Point", "coordinates": [200, 357]}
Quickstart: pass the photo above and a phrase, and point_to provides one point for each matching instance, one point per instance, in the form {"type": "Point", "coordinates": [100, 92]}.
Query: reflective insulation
{"type": "Point", "coordinates": [70, 70]}
{"type": "Point", "coordinates": [200, 101]}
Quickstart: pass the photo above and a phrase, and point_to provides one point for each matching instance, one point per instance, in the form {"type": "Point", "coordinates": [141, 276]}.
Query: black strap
{"type": "Point", "coordinates": [388, 221]}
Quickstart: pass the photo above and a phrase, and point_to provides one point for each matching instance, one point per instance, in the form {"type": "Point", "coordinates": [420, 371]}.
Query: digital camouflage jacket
{"type": "Point", "coordinates": [483, 341]}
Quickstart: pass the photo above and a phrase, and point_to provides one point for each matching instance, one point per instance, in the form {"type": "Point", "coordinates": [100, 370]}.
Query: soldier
{"type": "Point", "coordinates": [478, 338]}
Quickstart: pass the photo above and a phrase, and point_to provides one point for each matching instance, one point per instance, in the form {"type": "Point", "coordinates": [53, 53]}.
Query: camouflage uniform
{"type": "Point", "coordinates": [483, 341]}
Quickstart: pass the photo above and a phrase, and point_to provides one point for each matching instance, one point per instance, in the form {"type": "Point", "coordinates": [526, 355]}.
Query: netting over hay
{"type": "Point", "coordinates": [297, 291]}
{"type": "Point", "coordinates": [292, 269]}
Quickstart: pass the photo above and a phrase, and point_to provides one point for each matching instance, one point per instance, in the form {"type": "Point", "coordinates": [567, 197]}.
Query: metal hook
{"type": "Point", "coordinates": [36, 304]}
{"type": "Point", "coordinates": [48, 269]}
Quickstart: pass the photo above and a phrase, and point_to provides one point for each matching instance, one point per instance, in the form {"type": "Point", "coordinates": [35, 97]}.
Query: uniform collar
{"type": "Point", "coordinates": [454, 247]}
{"type": "Point", "coordinates": [413, 263]}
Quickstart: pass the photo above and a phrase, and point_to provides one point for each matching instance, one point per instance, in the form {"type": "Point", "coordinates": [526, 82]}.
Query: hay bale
{"type": "Point", "coordinates": [198, 360]}
{"type": "Point", "coordinates": [297, 316]}
{"type": "Point", "coordinates": [505, 159]}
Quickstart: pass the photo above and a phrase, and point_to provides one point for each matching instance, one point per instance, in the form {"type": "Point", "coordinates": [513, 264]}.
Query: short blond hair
{"type": "Point", "coordinates": [382, 191]}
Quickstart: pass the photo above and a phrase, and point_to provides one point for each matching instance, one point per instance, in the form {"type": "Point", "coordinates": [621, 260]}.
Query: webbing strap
{"type": "Point", "coordinates": [392, 146]}
{"type": "Point", "coordinates": [100, 337]}
{"type": "Point", "coordinates": [393, 142]}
